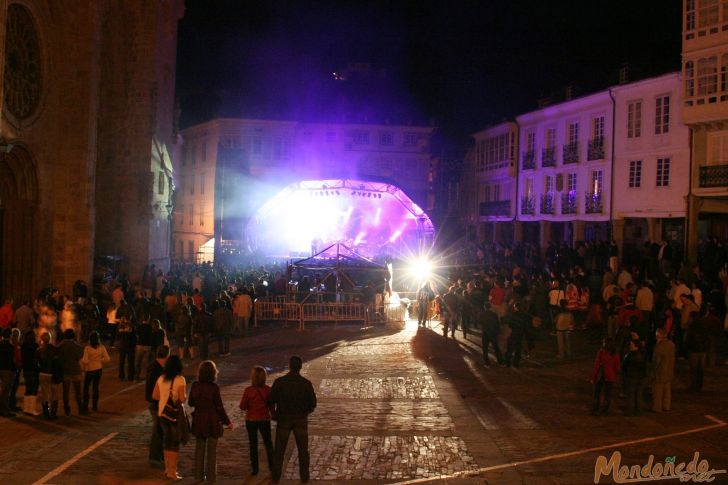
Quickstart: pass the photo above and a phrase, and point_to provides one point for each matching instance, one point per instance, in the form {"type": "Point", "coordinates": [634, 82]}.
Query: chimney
{"type": "Point", "coordinates": [543, 102]}
{"type": "Point", "coordinates": [568, 92]}
{"type": "Point", "coordinates": [624, 74]}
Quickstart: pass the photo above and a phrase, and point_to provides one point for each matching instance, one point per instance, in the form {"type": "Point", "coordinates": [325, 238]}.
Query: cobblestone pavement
{"type": "Point", "coordinates": [395, 404]}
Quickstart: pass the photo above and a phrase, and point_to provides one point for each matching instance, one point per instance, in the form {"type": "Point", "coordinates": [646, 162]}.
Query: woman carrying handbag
{"type": "Point", "coordinates": [170, 392]}
{"type": "Point", "coordinates": [207, 421]}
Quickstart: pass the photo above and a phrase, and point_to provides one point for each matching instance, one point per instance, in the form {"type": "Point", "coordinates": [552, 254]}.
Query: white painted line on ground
{"type": "Point", "coordinates": [569, 454]}
{"type": "Point", "coordinates": [121, 391]}
{"type": "Point", "coordinates": [61, 468]}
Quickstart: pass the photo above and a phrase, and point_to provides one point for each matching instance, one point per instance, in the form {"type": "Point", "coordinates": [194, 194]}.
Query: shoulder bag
{"type": "Point", "coordinates": [171, 409]}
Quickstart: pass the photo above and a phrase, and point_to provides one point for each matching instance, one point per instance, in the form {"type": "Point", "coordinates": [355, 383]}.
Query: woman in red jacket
{"type": "Point", "coordinates": [257, 416]}
{"type": "Point", "coordinates": [604, 375]}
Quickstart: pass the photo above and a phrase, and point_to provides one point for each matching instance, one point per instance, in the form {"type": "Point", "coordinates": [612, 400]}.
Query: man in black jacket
{"type": "Point", "coordinates": [491, 328]}
{"type": "Point", "coordinates": [224, 320]}
{"type": "Point", "coordinates": [696, 344]}
{"type": "Point", "coordinates": [293, 399]}
{"type": "Point", "coordinates": [154, 371]}
{"type": "Point", "coordinates": [519, 322]}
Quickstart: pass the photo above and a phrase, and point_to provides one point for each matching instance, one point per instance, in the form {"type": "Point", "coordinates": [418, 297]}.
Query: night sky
{"type": "Point", "coordinates": [461, 65]}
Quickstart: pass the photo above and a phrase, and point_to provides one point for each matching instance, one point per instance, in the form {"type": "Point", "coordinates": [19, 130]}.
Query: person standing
{"type": "Point", "coordinates": [50, 376]}
{"type": "Point", "coordinates": [93, 360]}
{"type": "Point", "coordinates": [70, 354]}
{"type": "Point", "coordinates": [142, 351]}
{"type": "Point", "coordinates": [634, 368]}
{"type": "Point", "coordinates": [292, 399]}
{"type": "Point", "coordinates": [696, 346]}
{"type": "Point", "coordinates": [491, 328]}
{"type": "Point", "coordinates": [257, 417]}
{"type": "Point", "coordinates": [519, 322]}
{"type": "Point", "coordinates": [7, 372]}
{"type": "Point", "coordinates": [154, 372]}
{"type": "Point", "coordinates": [201, 326]}
{"type": "Point", "coordinates": [564, 326]}
{"type": "Point", "coordinates": [127, 349]}
{"type": "Point", "coordinates": [30, 372]}
{"type": "Point", "coordinates": [171, 387]}
{"type": "Point", "coordinates": [663, 358]}
{"type": "Point", "coordinates": [604, 375]}
{"type": "Point", "coordinates": [223, 319]}
{"type": "Point", "coordinates": [207, 420]}
{"type": "Point", "coordinates": [424, 297]}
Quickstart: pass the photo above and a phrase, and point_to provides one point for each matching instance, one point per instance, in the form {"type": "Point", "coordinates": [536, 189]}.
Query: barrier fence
{"type": "Point", "coordinates": [301, 313]}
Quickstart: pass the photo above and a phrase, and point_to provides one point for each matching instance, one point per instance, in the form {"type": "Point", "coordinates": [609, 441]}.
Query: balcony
{"type": "Point", "coordinates": [547, 204]}
{"type": "Point", "coordinates": [548, 157]}
{"type": "Point", "coordinates": [571, 153]}
{"type": "Point", "coordinates": [568, 203]}
{"type": "Point", "coordinates": [528, 205]}
{"type": "Point", "coordinates": [529, 160]}
{"type": "Point", "coordinates": [596, 149]}
{"type": "Point", "coordinates": [495, 208]}
{"type": "Point", "coordinates": [713, 176]}
{"type": "Point", "coordinates": [593, 203]}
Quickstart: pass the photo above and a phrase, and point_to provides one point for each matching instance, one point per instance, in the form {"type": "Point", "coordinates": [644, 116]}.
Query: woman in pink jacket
{"type": "Point", "coordinates": [604, 375]}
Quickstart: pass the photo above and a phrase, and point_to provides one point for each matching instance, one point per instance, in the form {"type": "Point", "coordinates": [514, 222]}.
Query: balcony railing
{"type": "Point", "coordinates": [596, 149]}
{"type": "Point", "coordinates": [529, 160]}
{"type": "Point", "coordinates": [495, 208]}
{"type": "Point", "coordinates": [528, 205]}
{"type": "Point", "coordinates": [548, 157]}
{"type": "Point", "coordinates": [571, 153]}
{"type": "Point", "coordinates": [713, 176]}
{"type": "Point", "coordinates": [547, 204]}
{"type": "Point", "coordinates": [568, 203]}
{"type": "Point", "coordinates": [593, 203]}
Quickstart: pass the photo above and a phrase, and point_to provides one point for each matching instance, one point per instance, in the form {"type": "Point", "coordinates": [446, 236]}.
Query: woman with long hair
{"type": "Point", "coordinates": [171, 389]}
{"type": "Point", "coordinates": [93, 360]}
{"type": "Point", "coordinates": [257, 416]}
{"type": "Point", "coordinates": [207, 420]}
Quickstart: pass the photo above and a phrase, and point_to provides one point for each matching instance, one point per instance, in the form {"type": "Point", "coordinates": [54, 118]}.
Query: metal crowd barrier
{"type": "Point", "coordinates": [333, 312]}
{"type": "Point", "coordinates": [277, 311]}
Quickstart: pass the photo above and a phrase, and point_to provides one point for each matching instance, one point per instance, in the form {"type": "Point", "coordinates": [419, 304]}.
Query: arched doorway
{"type": "Point", "coordinates": [18, 224]}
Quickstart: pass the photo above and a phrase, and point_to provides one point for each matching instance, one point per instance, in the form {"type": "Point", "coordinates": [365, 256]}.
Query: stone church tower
{"type": "Point", "coordinates": [86, 136]}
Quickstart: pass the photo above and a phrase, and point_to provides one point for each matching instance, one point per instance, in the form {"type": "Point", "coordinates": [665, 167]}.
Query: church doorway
{"type": "Point", "coordinates": [18, 224]}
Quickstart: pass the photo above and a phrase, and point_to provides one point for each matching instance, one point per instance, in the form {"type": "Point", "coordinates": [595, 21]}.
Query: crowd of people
{"type": "Point", "coordinates": [643, 317]}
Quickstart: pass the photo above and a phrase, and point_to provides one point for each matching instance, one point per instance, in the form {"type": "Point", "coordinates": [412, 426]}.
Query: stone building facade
{"type": "Point", "coordinates": [85, 136]}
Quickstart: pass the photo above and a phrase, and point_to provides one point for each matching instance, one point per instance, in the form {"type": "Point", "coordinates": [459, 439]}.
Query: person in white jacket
{"type": "Point", "coordinates": [92, 362]}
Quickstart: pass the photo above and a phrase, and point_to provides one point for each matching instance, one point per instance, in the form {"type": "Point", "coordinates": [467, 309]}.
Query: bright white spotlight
{"type": "Point", "coordinates": [421, 269]}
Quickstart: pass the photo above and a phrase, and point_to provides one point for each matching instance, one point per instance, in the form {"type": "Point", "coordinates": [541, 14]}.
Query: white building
{"type": "Point", "coordinates": [704, 109]}
{"type": "Point", "coordinates": [651, 162]}
{"type": "Point", "coordinates": [267, 155]}
{"type": "Point", "coordinates": [564, 176]}
{"type": "Point", "coordinates": [492, 170]}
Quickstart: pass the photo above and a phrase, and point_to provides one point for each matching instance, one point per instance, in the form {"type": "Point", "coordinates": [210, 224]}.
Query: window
{"type": "Point", "coordinates": [573, 132]}
{"type": "Point", "coordinates": [161, 183]}
{"type": "Point", "coordinates": [689, 79]}
{"type": "Point", "coordinates": [634, 119]}
{"type": "Point", "coordinates": [202, 183]}
{"type": "Point", "coordinates": [549, 184]}
{"type": "Point", "coordinates": [495, 193]}
{"type": "Point", "coordinates": [330, 136]}
{"type": "Point", "coordinates": [707, 76]}
{"type": "Point", "coordinates": [180, 214]}
{"type": "Point", "coordinates": [529, 187]}
{"type": "Point", "coordinates": [598, 127]}
{"type": "Point", "coordinates": [663, 172]}
{"type": "Point", "coordinates": [203, 155]}
{"type": "Point", "coordinates": [531, 141]}
{"type": "Point", "coordinates": [690, 15]}
{"type": "Point", "coordinates": [597, 182]}
{"type": "Point", "coordinates": [724, 74]}
{"type": "Point", "coordinates": [202, 219]}
{"type": "Point", "coordinates": [571, 183]}
{"type": "Point", "coordinates": [181, 246]}
{"type": "Point", "coordinates": [550, 137]}
{"type": "Point", "coordinates": [410, 139]}
{"type": "Point", "coordinates": [635, 174]}
{"type": "Point", "coordinates": [662, 114]}
{"type": "Point", "coordinates": [192, 184]}
{"type": "Point", "coordinates": [717, 148]}
{"type": "Point", "coordinates": [495, 152]}
{"type": "Point", "coordinates": [191, 213]}
{"type": "Point", "coordinates": [191, 249]}
{"type": "Point", "coordinates": [708, 13]}
{"type": "Point", "coordinates": [386, 138]}
{"type": "Point", "coordinates": [361, 137]}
